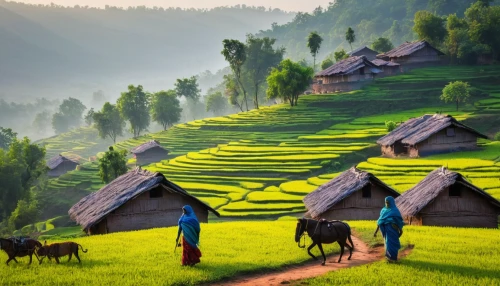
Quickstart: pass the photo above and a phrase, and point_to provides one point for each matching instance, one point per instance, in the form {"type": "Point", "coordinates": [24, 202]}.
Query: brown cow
{"type": "Point", "coordinates": [57, 250]}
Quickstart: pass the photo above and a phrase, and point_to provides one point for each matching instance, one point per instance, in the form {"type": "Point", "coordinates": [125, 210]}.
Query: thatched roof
{"type": "Point", "coordinates": [362, 51]}
{"type": "Point", "coordinates": [341, 187]}
{"type": "Point", "coordinates": [382, 63]}
{"type": "Point", "coordinates": [416, 130]}
{"type": "Point", "coordinates": [54, 162]}
{"type": "Point", "coordinates": [415, 199]}
{"type": "Point", "coordinates": [407, 49]}
{"type": "Point", "coordinates": [147, 146]}
{"type": "Point", "coordinates": [348, 66]}
{"type": "Point", "coordinates": [93, 208]}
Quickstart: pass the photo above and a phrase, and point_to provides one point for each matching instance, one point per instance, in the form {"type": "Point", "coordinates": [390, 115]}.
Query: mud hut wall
{"type": "Point", "coordinates": [355, 207]}
{"type": "Point", "coordinates": [388, 151]}
{"type": "Point", "coordinates": [469, 209]}
{"type": "Point", "coordinates": [443, 141]}
{"type": "Point", "coordinates": [151, 156]}
{"type": "Point", "coordinates": [62, 169]}
{"type": "Point", "coordinates": [145, 212]}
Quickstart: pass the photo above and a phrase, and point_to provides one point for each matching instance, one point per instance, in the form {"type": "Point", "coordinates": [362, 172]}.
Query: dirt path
{"type": "Point", "coordinates": [362, 254]}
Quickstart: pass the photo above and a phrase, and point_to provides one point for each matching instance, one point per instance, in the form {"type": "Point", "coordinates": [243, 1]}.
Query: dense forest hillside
{"type": "Point", "coordinates": [110, 48]}
{"type": "Point", "coordinates": [392, 19]}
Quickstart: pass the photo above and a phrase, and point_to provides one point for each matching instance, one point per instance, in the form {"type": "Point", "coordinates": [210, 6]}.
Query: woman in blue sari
{"type": "Point", "coordinates": [190, 228]}
{"type": "Point", "coordinates": [391, 225]}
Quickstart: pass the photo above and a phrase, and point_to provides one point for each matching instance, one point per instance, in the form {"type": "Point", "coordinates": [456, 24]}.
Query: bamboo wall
{"type": "Point", "coordinates": [468, 210]}
{"type": "Point", "coordinates": [144, 212]}
{"type": "Point", "coordinates": [355, 207]}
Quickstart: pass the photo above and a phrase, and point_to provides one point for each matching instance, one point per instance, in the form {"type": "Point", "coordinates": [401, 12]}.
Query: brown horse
{"type": "Point", "coordinates": [14, 250]}
{"type": "Point", "coordinates": [324, 232]}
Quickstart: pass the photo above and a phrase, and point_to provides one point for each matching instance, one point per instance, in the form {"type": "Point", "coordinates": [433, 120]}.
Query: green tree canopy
{"type": "Point", "coordinates": [457, 91]}
{"type": "Point", "coordinates": [326, 63]}
{"type": "Point", "coordinates": [350, 37]}
{"type": "Point", "coordinates": [288, 81]}
{"type": "Point", "coordinates": [261, 56]}
{"type": "Point", "coordinates": [314, 41]}
{"type": "Point", "coordinates": [69, 115]}
{"type": "Point", "coordinates": [6, 137]}
{"type": "Point", "coordinates": [429, 27]}
{"type": "Point", "coordinates": [217, 103]}
{"type": "Point", "coordinates": [165, 108]}
{"type": "Point", "coordinates": [112, 165]}
{"type": "Point", "coordinates": [109, 122]}
{"type": "Point", "coordinates": [382, 45]}
{"type": "Point", "coordinates": [188, 87]}
{"type": "Point", "coordinates": [134, 107]}
{"type": "Point", "coordinates": [234, 52]}
{"type": "Point", "coordinates": [340, 55]}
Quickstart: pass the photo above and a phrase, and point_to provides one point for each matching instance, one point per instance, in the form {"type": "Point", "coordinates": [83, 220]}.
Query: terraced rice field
{"type": "Point", "coordinates": [263, 162]}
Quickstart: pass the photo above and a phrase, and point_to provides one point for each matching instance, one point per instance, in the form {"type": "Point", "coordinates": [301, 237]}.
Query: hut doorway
{"type": "Point", "coordinates": [399, 148]}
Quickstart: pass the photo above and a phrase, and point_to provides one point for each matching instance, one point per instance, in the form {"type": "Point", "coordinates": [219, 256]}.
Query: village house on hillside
{"type": "Point", "coordinates": [387, 68]}
{"type": "Point", "coordinates": [347, 74]}
{"type": "Point", "coordinates": [60, 165]}
{"type": "Point", "coordinates": [136, 200]}
{"type": "Point", "coordinates": [446, 198]}
{"type": "Point", "coordinates": [427, 135]}
{"type": "Point", "coordinates": [353, 195]}
{"type": "Point", "coordinates": [413, 54]}
{"type": "Point", "coordinates": [149, 152]}
{"type": "Point", "coordinates": [364, 51]}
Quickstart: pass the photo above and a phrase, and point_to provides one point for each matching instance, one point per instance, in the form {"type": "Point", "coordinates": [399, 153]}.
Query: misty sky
{"type": "Point", "coordinates": [288, 5]}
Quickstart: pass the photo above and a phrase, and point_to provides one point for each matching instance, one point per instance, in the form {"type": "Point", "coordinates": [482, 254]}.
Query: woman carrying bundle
{"type": "Point", "coordinates": [190, 228]}
{"type": "Point", "coordinates": [391, 225]}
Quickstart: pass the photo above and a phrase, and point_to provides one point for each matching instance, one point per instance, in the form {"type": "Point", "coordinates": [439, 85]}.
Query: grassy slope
{"type": "Point", "coordinates": [244, 163]}
{"type": "Point", "coordinates": [442, 256]}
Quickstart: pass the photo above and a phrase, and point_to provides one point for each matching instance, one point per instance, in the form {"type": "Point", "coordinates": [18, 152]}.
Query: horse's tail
{"type": "Point", "coordinates": [349, 234]}
{"type": "Point", "coordinates": [84, 251]}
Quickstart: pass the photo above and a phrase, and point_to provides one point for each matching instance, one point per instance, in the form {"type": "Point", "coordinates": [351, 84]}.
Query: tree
{"type": "Point", "coordinates": [134, 107]}
{"type": "Point", "coordinates": [340, 55]}
{"type": "Point", "coordinates": [216, 103]}
{"type": "Point", "coordinates": [260, 58]}
{"type": "Point", "coordinates": [98, 98]}
{"type": "Point", "coordinates": [109, 122]}
{"type": "Point", "coordinates": [232, 91]}
{"type": "Point", "coordinates": [429, 27]}
{"type": "Point", "coordinates": [112, 165]}
{"type": "Point", "coordinates": [6, 137]}
{"type": "Point", "coordinates": [188, 87]}
{"type": "Point", "coordinates": [235, 54]}
{"type": "Point", "coordinates": [326, 63]}
{"type": "Point", "coordinates": [350, 37]}
{"type": "Point", "coordinates": [390, 125]}
{"type": "Point", "coordinates": [382, 45]}
{"type": "Point", "coordinates": [69, 115]}
{"type": "Point", "coordinates": [314, 44]}
{"type": "Point", "coordinates": [288, 81]}
{"type": "Point", "coordinates": [89, 117]}
{"type": "Point", "coordinates": [457, 91]}
{"type": "Point", "coordinates": [41, 122]}
{"type": "Point", "coordinates": [165, 108]}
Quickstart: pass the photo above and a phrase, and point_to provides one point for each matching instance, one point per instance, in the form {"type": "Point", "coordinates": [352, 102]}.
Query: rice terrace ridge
{"type": "Point", "coordinates": [244, 145]}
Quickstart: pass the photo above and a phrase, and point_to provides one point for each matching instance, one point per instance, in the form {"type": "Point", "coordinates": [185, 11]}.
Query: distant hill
{"type": "Point", "coordinates": [59, 50]}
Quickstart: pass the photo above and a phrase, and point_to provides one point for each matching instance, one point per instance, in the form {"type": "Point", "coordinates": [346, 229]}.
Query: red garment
{"type": "Point", "coordinates": [190, 255]}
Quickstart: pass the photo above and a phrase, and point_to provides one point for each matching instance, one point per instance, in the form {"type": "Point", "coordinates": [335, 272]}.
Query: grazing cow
{"type": "Point", "coordinates": [57, 250]}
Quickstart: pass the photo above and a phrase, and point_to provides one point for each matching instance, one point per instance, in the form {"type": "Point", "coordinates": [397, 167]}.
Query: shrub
{"type": "Point", "coordinates": [497, 136]}
{"type": "Point", "coordinates": [390, 125]}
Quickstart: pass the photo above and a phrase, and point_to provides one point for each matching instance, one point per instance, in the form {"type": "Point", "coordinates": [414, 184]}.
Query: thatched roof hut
{"type": "Point", "coordinates": [347, 74]}
{"type": "Point", "coordinates": [412, 53]}
{"type": "Point", "coordinates": [60, 165]}
{"type": "Point", "coordinates": [149, 152]}
{"type": "Point", "coordinates": [136, 200]}
{"type": "Point", "coordinates": [364, 51]}
{"type": "Point", "coordinates": [446, 198]}
{"type": "Point", "coordinates": [429, 134]}
{"type": "Point", "coordinates": [387, 67]}
{"type": "Point", "coordinates": [352, 195]}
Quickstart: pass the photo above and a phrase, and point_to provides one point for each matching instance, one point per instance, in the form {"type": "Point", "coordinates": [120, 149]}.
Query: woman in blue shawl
{"type": "Point", "coordinates": [190, 228]}
{"type": "Point", "coordinates": [391, 225]}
